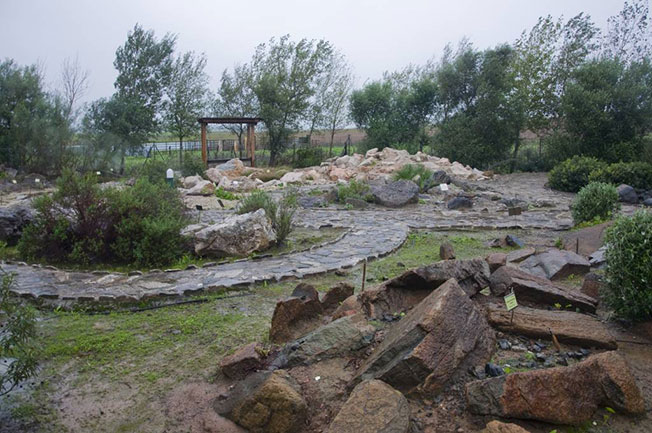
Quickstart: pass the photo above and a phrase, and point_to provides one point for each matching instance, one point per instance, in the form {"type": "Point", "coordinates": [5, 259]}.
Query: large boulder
{"type": "Point", "coordinates": [443, 335]}
{"type": "Point", "coordinates": [555, 264]}
{"type": "Point", "coordinates": [587, 240]}
{"type": "Point", "coordinates": [395, 194]}
{"type": "Point", "coordinates": [265, 402]}
{"type": "Point", "coordinates": [502, 427]}
{"type": "Point", "coordinates": [239, 235]}
{"type": "Point", "coordinates": [13, 219]}
{"type": "Point", "coordinates": [294, 317]}
{"type": "Point", "coordinates": [627, 194]}
{"type": "Point", "coordinates": [243, 361]}
{"type": "Point", "coordinates": [190, 181]}
{"type": "Point", "coordinates": [536, 290]}
{"type": "Point", "coordinates": [373, 407]}
{"type": "Point", "coordinates": [232, 168]}
{"type": "Point", "coordinates": [408, 289]}
{"type": "Point", "coordinates": [336, 295]}
{"type": "Point", "coordinates": [569, 327]}
{"type": "Point", "coordinates": [214, 175]}
{"type": "Point", "coordinates": [202, 187]}
{"type": "Point", "coordinates": [338, 338]}
{"type": "Point", "coordinates": [239, 184]}
{"type": "Point", "coordinates": [561, 395]}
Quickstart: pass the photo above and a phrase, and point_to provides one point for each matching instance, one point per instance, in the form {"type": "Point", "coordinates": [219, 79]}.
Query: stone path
{"type": "Point", "coordinates": [372, 233]}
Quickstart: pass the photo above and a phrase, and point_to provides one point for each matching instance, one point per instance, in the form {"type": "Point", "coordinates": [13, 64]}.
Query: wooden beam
{"type": "Point", "coordinates": [204, 150]}
{"type": "Point", "coordinates": [251, 143]}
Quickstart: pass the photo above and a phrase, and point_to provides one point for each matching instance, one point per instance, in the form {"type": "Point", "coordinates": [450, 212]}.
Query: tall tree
{"type": "Point", "coordinates": [186, 96]}
{"type": "Point", "coordinates": [335, 98]}
{"type": "Point", "coordinates": [629, 34]}
{"type": "Point", "coordinates": [285, 77]}
{"type": "Point", "coordinates": [144, 67]}
{"type": "Point", "coordinates": [74, 83]}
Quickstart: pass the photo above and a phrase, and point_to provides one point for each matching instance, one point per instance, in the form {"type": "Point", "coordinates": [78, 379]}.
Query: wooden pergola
{"type": "Point", "coordinates": [251, 136]}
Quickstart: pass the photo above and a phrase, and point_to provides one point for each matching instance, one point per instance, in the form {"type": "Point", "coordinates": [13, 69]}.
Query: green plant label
{"type": "Point", "coordinates": [510, 301]}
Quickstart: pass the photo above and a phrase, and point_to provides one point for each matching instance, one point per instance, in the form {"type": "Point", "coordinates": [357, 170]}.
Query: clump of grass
{"type": "Point", "coordinates": [281, 214]}
{"type": "Point", "coordinates": [225, 195]}
{"type": "Point", "coordinates": [354, 189]}
{"type": "Point", "coordinates": [414, 172]}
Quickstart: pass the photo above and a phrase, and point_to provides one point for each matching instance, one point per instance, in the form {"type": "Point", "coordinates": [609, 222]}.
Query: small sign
{"type": "Point", "coordinates": [510, 301]}
{"type": "Point", "coordinates": [37, 180]}
{"type": "Point", "coordinates": [443, 187]}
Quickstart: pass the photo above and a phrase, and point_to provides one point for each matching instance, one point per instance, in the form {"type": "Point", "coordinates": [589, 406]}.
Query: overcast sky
{"type": "Point", "coordinates": [375, 35]}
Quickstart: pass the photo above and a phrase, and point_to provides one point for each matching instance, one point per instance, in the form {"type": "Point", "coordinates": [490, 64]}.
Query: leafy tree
{"type": "Point", "coordinates": [144, 67]}
{"type": "Point", "coordinates": [284, 79]}
{"type": "Point", "coordinates": [629, 34]}
{"type": "Point", "coordinates": [17, 335]}
{"type": "Point", "coordinates": [186, 96]}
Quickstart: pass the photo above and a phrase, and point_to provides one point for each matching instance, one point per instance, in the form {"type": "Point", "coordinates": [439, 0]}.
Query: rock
{"type": "Point", "coordinates": [592, 285]}
{"type": "Point", "coordinates": [408, 289]}
{"type": "Point", "coordinates": [496, 260]}
{"type": "Point", "coordinates": [444, 334]}
{"type": "Point", "coordinates": [627, 194]}
{"type": "Point", "coordinates": [238, 184]}
{"type": "Point", "coordinates": [239, 235]}
{"type": "Point", "coordinates": [202, 187]}
{"type": "Point", "coordinates": [305, 292]}
{"type": "Point", "coordinates": [348, 307]}
{"type": "Point", "coordinates": [337, 174]}
{"type": "Point", "coordinates": [312, 201]}
{"type": "Point", "coordinates": [555, 264]}
{"type": "Point", "coordinates": [599, 258]}
{"type": "Point", "coordinates": [437, 178]}
{"type": "Point", "coordinates": [587, 240]}
{"type": "Point", "coordinates": [569, 327]}
{"type": "Point", "coordinates": [395, 194]}
{"type": "Point", "coordinates": [446, 251]}
{"type": "Point", "coordinates": [648, 202]}
{"type": "Point", "coordinates": [190, 181]}
{"type": "Point", "coordinates": [519, 255]}
{"type": "Point", "coordinates": [493, 370]}
{"type": "Point", "coordinates": [293, 177]}
{"type": "Point", "coordinates": [514, 241]}
{"type": "Point", "coordinates": [294, 317]}
{"type": "Point", "coordinates": [336, 295]}
{"type": "Point", "coordinates": [373, 407]}
{"type": "Point", "coordinates": [338, 338]}
{"type": "Point", "coordinates": [560, 395]}
{"type": "Point", "coordinates": [265, 402]}
{"type": "Point", "coordinates": [245, 360]}
{"type": "Point", "coordinates": [504, 344]}
{"type": "Point", "coordinates": [214, 175]}
{"type": "Point", "coordinates": [536, 290]}
{"type": "Point", "coordinates": [501, 427]}
{"type": "Point", "coordinates": [13, 219]}
{"type": "Point", "coordinates": [460, 202]}
{"type": "Point", "coordinates": [356, 203]}
{"type": "Point", "coordinates": [232, 168]}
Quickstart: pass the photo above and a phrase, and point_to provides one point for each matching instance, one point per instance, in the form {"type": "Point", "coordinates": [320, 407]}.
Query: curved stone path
{"type": "Point", "coordinates": [372, 233]}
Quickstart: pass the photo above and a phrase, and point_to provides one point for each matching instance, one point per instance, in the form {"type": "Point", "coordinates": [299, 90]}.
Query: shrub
{"type": "Point", "coordinates": [573, 174]}
{"type": "Point", "coordinates": [81, 223]}
{"type": "Point", "coordinates": [410, 171]}
{"type": "Point", "coordinates": [629, 266]}
{"type": "Point", "coordinates": [224, 194]}
{"type": "Point", "coordinates": [308, 157]}
{"type": "Point", "coordinates": [192, 165]}
{"type": "Point", "coordinates": [597, 200]}
{"type": "Point", "coordinates": [280, 214]}
{"type": "Point", "coordinates": [153, 170]}
{"type": "Point", "coordinates": [353, 189]}
{"type": "Point", "coordinates": [636, 174]}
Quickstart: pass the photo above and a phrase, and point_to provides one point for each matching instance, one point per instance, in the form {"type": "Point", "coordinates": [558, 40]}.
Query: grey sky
{"type": "Point", "coordinates": [375, 35]}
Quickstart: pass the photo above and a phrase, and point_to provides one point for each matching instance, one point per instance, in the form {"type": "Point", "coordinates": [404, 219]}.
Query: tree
{"type": "Point", "coordinates": [629, 34]}
{"type": "Point", "coordinates": [17, 335]}
{"type": "Point", "coordinates": [144, 67]}
{"type": "Point", "coordinates": [236, 98]}
{"type": "Point", "coordinates": [284, 79]}
{"type": "Point", "coordinates": [335, 99]}
{"type": "Point", "coordinates": [186, 96]}
{"type": "Point", "coordinates": [74, 83]}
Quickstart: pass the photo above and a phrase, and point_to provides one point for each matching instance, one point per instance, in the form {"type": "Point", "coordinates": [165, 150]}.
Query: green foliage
{"type": "Point", "coordinates": [573, 174]}
{"type": "Point", "coordinates": [17, 339]}
{"type": "Point", "coordinates": [308, 157]}
{"type": "Point", "coordinates": [225, 195]}
{"type": "Point", "coordinates": [635, 174]}
{"type": "Point", "coordinates": [629, 266]}
{"type": "Point", "coordinates": [410, 171]}
{"type": "Point", "coordinates": [83, 224]}
{"type": "Point", "coordinates": [152, 169]}
{"type": "Point", "coordinates": [353, 189]}
{"type": "Point", "coordinates": [597, 200]}
{"type": "Point", "coordinates": [192, 164]}
{"type": "Point", "coordinates": [281, 214]}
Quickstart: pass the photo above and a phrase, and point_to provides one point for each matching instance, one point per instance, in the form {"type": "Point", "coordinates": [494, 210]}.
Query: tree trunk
{"type": "Point", "coordinates": [330, 145]}
{"type": "Point", "coordinates": [512, 164]}
{"type": "Point", "coordinates": [180, 151]}
{"type": "Point", "coordinates": [122, 161]}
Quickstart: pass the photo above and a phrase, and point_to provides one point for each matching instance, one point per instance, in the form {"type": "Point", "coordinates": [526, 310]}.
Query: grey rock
{"type": "Point", "coordinates": [395, 194]}
{"type": "Point", "coordinates": [493, 370]}
{"type": "Point", "coordinates": [648, 202]}
{"type": "Point", "coordinates": [437, 178]}
{"type": "Point", "coordinates": [514, 241]}
{"type": "Point", "coordinates": [356, 203]}
{"type": "Point", "coordinates": [555, 264]}
{"type": "Point", "coordinates": [13, 219]}
{"type": "Point", "coordinates": [627, 194]}
{"type": "Point", "coordinates": [312, 201]}
{"type": "Point", "coordinates": [446, 251]}
{"type": "Point", "coordinates": [460, 203]}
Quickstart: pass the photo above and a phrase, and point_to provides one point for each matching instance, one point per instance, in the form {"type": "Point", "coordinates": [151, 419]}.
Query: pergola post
{"type": "Point", "coordinates": [204, 149]}
{"type": "Point", "coordinates": [251, 142]}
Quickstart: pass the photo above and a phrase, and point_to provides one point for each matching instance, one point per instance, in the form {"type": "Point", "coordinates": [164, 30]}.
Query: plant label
{"type": "Point", "coordinates": [510, 301]}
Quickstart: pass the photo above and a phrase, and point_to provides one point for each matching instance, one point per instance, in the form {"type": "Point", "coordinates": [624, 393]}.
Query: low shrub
{"type": "Point", "coordinates": [152, 169]}
{"type": "Point", "coordinates": [636, 174]}
{"type": "Point", "coordinates": [225, 195]}
{"type": "Point", "coordinates": [192, 164]}
{"type": "Point", "coordinates": [573, 174]}
{"type": "Point", "coordinates": [629, 266]}
{"type": "Point", "coordinates": [354, 189]}
{"type": "Point", "coordinates": [281, 214]}
{"type": "Point", "coordinates": [308, 157]}
{"type": "Point", "coordinates": [597, 200]}
{"type": "Point", "coordinates": [83, 224]}
{"type": "Point", "coordinates": [411, 171]}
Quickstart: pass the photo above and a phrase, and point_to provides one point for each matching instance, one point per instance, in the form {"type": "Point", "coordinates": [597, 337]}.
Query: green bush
{"type": "Point", "coordinates": [629, 266]}
{"type": "Point", "coordinates": [308, 157]}
{"type": "Point", "coordinates": [410, 171]}
{"type": "Point", "coordinates": [573, 174]}
{"type": "Point", "coordinates": [224, 194]}
{"type": "Point", "coordinates": [83, 224]}
{"type": "Point", "coordinates": [192, 165]}
{"type": "Point", "coordinates": [353, 189]}
{"type": "Point", "coordinates": [154, 170]}
{"type": "Point", "coordinates": [597, 200]}
{"type": "Point", "coordinates": [281, 214]}
{"type": "Point", "coordinates": [636, 174]}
